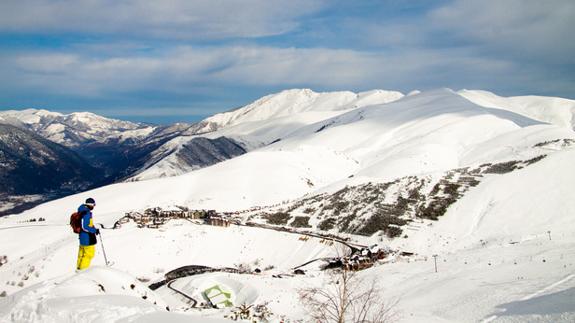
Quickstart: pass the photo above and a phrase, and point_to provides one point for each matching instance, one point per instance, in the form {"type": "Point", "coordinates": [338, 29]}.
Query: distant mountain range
{"type": "Point", "coordinates": [104, 151]}
{"type": "Point", "coordinates": [52, 154]}
{"type": "Point", "coordinates": [45, 155]}
{"type": "Point", "coordinates": [31, 164]}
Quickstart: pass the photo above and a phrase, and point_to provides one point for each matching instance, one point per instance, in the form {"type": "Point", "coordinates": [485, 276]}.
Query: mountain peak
{"type": "Point", "coordinates": [304, 91]}
{"type": "Point", "coordinates": [68, 129]}
{"type": "Point", "coordinates": [296, 101]}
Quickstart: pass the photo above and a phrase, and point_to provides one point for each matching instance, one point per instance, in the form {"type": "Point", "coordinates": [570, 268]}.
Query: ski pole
{"type": "Point", "coordinates": [103, 249]}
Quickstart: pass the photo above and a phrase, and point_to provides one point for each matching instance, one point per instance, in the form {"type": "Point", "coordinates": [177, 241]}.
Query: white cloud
{"type": "Point", "coordinates": [509, 46]}
{"type": "Point", "coordinates": [179, 19]}
{"type": "Point", "coordinates": [531, 29]}
{"type": "Point", "coordinates": [186, 70]}
{"type": "Point", "coordinates": [512, 46]}
{"type": "Point", "coordinates": [47, 63]}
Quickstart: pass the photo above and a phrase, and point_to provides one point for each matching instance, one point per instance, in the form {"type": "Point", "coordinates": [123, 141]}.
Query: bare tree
{"type": "Point", "coordinates": [346, 299]}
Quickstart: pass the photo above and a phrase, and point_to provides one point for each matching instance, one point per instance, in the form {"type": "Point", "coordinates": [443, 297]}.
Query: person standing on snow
{"type": "Point", "coordinates": [87, 235]}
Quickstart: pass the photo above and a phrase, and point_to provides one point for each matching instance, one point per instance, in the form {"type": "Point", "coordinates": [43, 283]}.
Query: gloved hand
{"type": "Point", "coordinates": [97, 232]}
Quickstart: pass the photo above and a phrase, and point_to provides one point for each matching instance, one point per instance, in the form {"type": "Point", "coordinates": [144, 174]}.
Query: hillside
{"type": "Point", "coordinates": [291, 102]}
{"type": "Point", "coordinates": [33, 166]}
{"type": "Point", "coordinates": [112, 150]}
{"type": "Point", "coordinates": [557, 111]}
{"type": "Point", "coordinates": [426, 133]}
{"type": "Point", "coordinates": [182, 155]}
{"type": "Point", "coordinates": [260, 123]}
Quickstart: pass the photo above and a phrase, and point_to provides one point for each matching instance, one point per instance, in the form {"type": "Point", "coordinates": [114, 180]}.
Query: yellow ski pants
{"type": "Point", "coordinates": [85, 255]}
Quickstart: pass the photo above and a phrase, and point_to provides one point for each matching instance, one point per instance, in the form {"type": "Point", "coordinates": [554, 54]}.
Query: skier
{"type": "Point", "coordinates": [87, 235]}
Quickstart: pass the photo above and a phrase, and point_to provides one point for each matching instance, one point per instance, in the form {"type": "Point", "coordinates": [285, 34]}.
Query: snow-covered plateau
{"type": "Point", "coordinates": [470, 194]}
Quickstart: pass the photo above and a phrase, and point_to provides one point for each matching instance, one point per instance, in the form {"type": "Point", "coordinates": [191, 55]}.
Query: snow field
{"type": "Point", "coordinates": [497, 279]}
{"type": "Point", "coordinates": [290, 102]}
{"type": "Point", "coordinates": [557, 111]}
{"type": "Point", "coordinates": [511, 207]}
{"type": "Point", "coordinates": [280, 294]}
{"type": "Point", "coordinates": [148, 254]}
{"type": "Point", "coordinates": [144, 252]}
{"type": "Point", "coordinates": [97, 294]}
{"type": "Point", "coordinates": [425, 133]}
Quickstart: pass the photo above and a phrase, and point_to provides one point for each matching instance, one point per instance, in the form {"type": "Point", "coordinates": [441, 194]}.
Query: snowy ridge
{"type": "Point", "coordinates": [557, 111]}
{"type": "Point", "coordinates": [418, 134]}
{"type": "Point", "coordinates": [430, 132]}
{"type": "Point", "coordinates": [184, 154]}
{"type": "Point", "coordinates": [290, 102]}
{"type": "Point", "coordinates": [262, 122]}
{"type": "Point", "coordinates": [33, 165]}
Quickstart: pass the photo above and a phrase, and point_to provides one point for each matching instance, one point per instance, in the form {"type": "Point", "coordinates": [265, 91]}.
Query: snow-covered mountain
{"type": "Point", "coordinates": [184, 154]}
{"type": "Point", "coordinates": [48, 155]}
{"type": "Point", "coordinates": [76, 128]}
{"type": "Point", "coordinates": [485, 191]}
{"type": "Point", "coordinates": [431, 132]}
{"type": "Point", "coordinates": [111, 149]}
{"type": "Point", "coordinates": [273, 117]}
{"type": "Point", "coordinates": [263, 122]}
{"type": "Point", "coordinates": [296, 101]}
{"type": "Point", "coordinates": [31, 165]}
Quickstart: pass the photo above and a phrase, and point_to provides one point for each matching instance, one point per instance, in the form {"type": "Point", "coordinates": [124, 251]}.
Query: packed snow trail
{"type": "Point", "coordinates": [32, 225]}
{"type": "Point", "coordinates": [194, 302]}
{"type": "Point", "coordinates": [537, 293]}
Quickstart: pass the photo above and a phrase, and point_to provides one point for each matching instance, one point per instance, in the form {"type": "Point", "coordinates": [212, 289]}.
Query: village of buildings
{"type": "Point", "coordinates": [361, 257]}
{"type": "Point", "coordinates": [157, 216]}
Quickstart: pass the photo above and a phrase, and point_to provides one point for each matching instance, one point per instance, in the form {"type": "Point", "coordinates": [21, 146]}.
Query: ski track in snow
{"type": "Point", "coordinates": [537, 293]}
{"type": "Point", "coordinates": [561, 282]}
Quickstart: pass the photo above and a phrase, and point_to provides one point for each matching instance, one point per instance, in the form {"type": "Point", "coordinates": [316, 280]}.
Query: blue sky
{"type": "Point", "coordinates": [179, 60]}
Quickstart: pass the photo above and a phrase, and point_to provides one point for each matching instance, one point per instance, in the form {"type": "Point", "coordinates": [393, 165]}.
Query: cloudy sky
{"type": "Point", "coordinates": [184, 60]}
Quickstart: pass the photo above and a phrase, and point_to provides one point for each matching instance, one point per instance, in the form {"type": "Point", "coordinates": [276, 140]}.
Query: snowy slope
{"type": "Point", "coordinates": [429, 132]}
{"type": "Point", "coordinates": [419, 134]}
{"type": "Point", "coordinates": [518, 206]}
{"type": "Point", "coordinates": [557, 111]}
{"type": "Point", "coordinates": [506, 252]}
{"type": "Point", "coordinates": [97, 295]}
{"type": "Point", "coordinates": [505, 249]}
{"type": "Point", "coordinates": [262, 122]}
{"type": "Point", "coordinates": [183, 154]}
{"type": "Point", "coordinates": [290, 102]}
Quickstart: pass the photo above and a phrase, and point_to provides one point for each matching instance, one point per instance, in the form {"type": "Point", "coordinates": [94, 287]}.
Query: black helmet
{"type": "Point", "coordinates": [90, 202]}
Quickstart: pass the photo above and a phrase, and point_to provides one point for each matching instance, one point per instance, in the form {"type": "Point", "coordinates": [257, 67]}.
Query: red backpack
{"type": "Point", "coordinates": [76, 222]}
